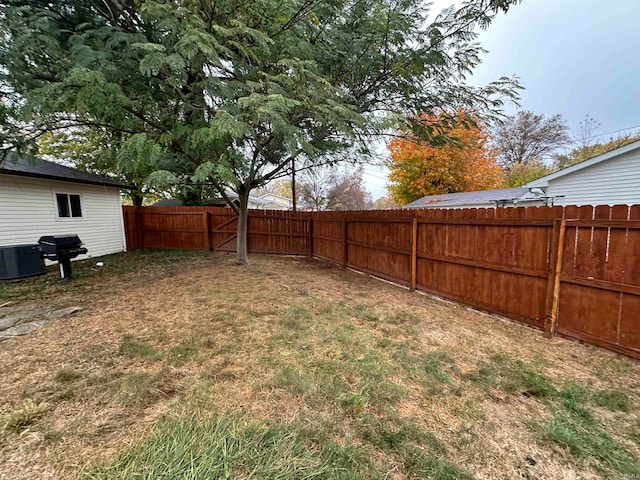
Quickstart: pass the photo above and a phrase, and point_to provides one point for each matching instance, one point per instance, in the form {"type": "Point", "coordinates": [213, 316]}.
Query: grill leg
{"type": "Point", "coordinates": [65, 267]}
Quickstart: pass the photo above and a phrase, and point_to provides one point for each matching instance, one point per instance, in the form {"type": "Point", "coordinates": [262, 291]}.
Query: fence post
{"type": "Point", "coordinates": [555, 269]}
{"type": "Point", "coordinates": [310, 232]}
{"type": "Point", "coordinates": [139, 216]}
{"type": "Point", "coordinates": [414, 253]}
{"type": "Point", "coordinates": [205, 225]}
{"type": "Point", "coordinates": [345, 242]}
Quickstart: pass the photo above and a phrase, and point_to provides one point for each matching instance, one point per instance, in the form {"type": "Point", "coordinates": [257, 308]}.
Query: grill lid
{"type": "Point", "coordinates": [61, 241]}
{"type": "Point", "coordinates": [61, 247]}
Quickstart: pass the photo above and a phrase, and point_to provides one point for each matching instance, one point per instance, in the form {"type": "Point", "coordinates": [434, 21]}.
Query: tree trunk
{"type": "Point", "coordinates": [241, 245]}
{"type": "Point", "coordinates": [136, 198]}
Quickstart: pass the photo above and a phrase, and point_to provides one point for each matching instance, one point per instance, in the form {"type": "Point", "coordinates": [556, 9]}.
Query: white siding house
{"type": "Point", "coordinates": [612, 178]}
{"type": "Point", "coordinates": [272, 201]}
{"type": "Point", "coordinates": [43, 198]}
{"type": "Point", "coordinates": [268, 201]}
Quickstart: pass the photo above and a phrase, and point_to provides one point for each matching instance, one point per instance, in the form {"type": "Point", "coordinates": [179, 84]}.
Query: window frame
{"type": "Point", "coordinates": [68, 194]}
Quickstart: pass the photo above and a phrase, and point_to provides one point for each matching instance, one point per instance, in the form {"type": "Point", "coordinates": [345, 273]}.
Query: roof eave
{"type": "Point", "coordinates": [120, 186]}
{"type": "Point", "coordinates": [490, 203]}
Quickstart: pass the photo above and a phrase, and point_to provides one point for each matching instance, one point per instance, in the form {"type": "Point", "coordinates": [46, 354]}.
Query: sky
{"type": "Point", "coordinates": [573, 57]}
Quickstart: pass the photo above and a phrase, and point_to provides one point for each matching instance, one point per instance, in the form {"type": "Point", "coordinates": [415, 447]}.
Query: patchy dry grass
{"type": "Point", "coordinates": [182, 365]}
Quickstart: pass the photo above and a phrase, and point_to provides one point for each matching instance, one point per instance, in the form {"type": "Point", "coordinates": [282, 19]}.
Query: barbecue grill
{"type": "Point", "coordinates": [62, 248]}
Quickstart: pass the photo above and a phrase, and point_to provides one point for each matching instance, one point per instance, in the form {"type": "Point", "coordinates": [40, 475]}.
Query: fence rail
{"type": "Point", "coordinates": [574, 271]}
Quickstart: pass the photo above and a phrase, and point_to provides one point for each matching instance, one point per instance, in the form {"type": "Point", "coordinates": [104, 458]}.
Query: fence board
{"type": "Point", "coordinates": [629, 327]}
{"type": "Point", "coordinates": [614, 270]}
{"type": "Point", "coordinates": [584, 264]}
{"type": "Point", "coordinates": [589, 312]}
{"type": "Point", "coordinates": [632, 252]}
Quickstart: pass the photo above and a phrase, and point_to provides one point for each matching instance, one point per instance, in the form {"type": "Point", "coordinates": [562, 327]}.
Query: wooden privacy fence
{"type": "Point", "coordinates": [212, 228]}
{"type": "Point", "coordinates": [570, 270]}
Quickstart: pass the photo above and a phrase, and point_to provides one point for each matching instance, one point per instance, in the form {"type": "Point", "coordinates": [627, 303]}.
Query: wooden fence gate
{"type": "Point", "coordinates": [224, 235]}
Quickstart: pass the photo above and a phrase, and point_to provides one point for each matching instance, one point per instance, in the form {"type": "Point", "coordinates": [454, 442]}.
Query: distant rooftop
{"type": "Point", "coordinates": [29, 166]}
{"type": "Point", "coordinates": [484, 196]}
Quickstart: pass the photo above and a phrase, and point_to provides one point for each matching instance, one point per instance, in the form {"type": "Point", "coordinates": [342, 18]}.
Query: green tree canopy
{"type": "Point", "coordinates": [95, 150]}
{"type": "Point", "coordinates": [238, 91]}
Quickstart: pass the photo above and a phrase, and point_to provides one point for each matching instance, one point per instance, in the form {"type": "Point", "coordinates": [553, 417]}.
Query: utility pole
{"type": "Point", "coordinates": [293, 184]}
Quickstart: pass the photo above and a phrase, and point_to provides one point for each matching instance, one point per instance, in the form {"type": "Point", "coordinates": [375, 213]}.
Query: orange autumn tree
{"type": "Point", "coordinates": [463, 162]}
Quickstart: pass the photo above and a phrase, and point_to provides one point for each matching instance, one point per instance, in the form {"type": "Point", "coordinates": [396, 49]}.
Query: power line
{"type": "Point", "coordinates": [375, 175]}
{"type": "Point", "coordinates": [610, 133]}
{"type": "Point", "coordinates": [371, 169]}
{"type": "Point", "coordinates": [375, 179]}
{"type": "Point", "coordinates": [367, 170]}
{"type": "Point", "coordinates": [372, 177]}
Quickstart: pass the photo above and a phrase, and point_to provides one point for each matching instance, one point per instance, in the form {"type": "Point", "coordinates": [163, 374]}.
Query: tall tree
{"type": "Point", "coordinates": [239, 90]}
{"type": "Point", "coordinates": [527, 137]}
{"type": "Point", "coordinates": [348, 192]}
{"type": "Point", "coordinates": [280, 187]}
{"type": "Point", "coordinates": [384, 203]}
{"type": "Point", "coordinates": [313, 188]}
{"type": "Point", "coordinates": [10, 126]}
{"type": "Point", "coordinates": [334, 189]}
{"type": "Point", "coordinates": [96, 150]}
{"type": "Point", "coordinates": [586, 132]}
{"type": "Point", "coordinates": [464, 163]}
{"type": "Point", "coordinates": [526, 143]}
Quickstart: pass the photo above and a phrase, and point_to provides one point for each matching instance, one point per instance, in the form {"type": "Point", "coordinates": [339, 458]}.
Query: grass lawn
{"type": "Point", "coordinates": [183, 365]}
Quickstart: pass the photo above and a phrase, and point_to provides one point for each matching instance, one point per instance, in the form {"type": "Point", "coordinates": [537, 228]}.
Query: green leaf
{"type": "Point", "coordinates": [203, 172]}
{"type": "Point", "coordinates": [162, 179]}
{"type": "Point", "coordinates": [152, 63]}
{"type": "Point", "coordinates": [149, 47]}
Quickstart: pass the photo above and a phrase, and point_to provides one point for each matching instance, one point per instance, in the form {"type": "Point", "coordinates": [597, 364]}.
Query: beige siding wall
{"type": "Point", "coordinates": [28, 211]}
{"type": "Point", "coordinates": [612, 182]}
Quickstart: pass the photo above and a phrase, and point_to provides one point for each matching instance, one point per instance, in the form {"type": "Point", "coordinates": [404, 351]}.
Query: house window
{"type": "Point", "coordinates": [69, 205]}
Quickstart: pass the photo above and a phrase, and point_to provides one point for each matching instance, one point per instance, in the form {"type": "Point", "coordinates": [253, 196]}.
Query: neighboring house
{"type": "Point", "coordinates": [268, 201]}
{"type": "Point", "coordinates": [481, 199]}
{"type": "Point", "coordinates": [38, 197]}
{"type": "Point", "coordinates": [272, 201]}
{"type": "Point", "coordinates": [612, 178]}
{"type": "Point", "coordinates": [174, 202]}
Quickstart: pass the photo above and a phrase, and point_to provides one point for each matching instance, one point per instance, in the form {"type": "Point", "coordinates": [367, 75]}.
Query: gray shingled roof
{"type": "Point", "coordinates": [463, 198]}
{"type": "Point", "coordinates": [28, 166]}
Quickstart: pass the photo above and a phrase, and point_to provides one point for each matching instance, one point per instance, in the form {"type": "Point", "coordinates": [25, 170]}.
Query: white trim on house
{"type": "Point", "coordinates": [275, 198]}
{"type": "Point", "coordinates": [544, 181]}
{"type": "Point", "coordinates": [68, 192]}
{"type": "Point", "coordinates": [124, 233]}
{"type": "Point", "coordinates": [268, 201]}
